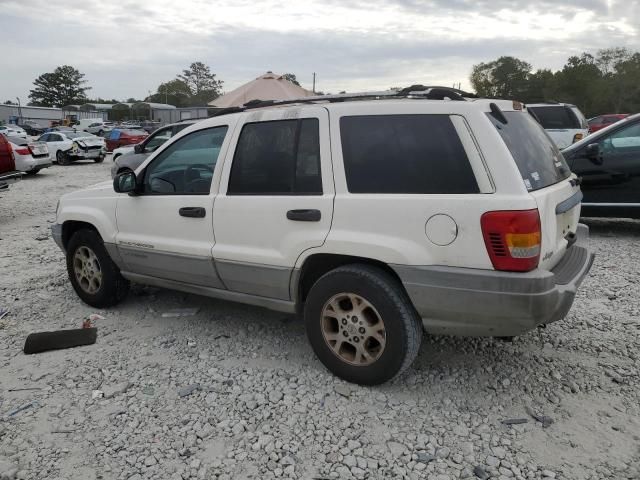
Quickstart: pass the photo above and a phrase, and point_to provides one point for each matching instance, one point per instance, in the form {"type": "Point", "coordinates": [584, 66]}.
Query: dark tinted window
{"type": "Point", "coordinates": [277, 158]}
{"type": "Point", "coordinates": [555, 117]}
{"type": "Point", "coordinates": [404, 154]}
{"type": "Point", "coordinates": [540, 162]}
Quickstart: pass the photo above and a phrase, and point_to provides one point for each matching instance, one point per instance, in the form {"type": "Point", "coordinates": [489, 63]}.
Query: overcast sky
{"type": "Point", "coordinates": [126, 48]}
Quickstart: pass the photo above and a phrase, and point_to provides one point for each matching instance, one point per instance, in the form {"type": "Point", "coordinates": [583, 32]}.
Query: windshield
{"type": "Point", "coordinates": [540, 162]}
{"type": "Point", "coordinates": [555, 117]}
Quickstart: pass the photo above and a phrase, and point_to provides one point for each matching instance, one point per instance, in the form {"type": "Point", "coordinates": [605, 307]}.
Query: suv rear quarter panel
{"type": "Point", "coordinates": [391, 227]}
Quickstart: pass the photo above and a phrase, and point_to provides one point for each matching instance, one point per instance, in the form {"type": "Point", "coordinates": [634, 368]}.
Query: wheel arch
{"type": "Point", "coordinates": [72, 226]}
{"type": "Point", "coordinates": [316, 265]}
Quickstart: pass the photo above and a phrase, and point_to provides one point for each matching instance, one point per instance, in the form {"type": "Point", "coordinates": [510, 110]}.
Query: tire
{"type": "Point", "coordinates": [383, 297]}
{"type": "Point", "coordinates": [64, 159]}
{"type": "Point", "coordinates": [60, 157]}
{"type": "Point", "coordinates": [112, 287]}
{"type": "Point", "coordinates": [100, 133]}
{"type": "Point", "coordinates": [100, 159]}
{"type": "Point", "coordinates": [32, 172]}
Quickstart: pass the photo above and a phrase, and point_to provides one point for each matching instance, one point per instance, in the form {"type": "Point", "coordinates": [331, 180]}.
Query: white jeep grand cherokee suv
{"type": "Point", "coordinates": [371, 217]}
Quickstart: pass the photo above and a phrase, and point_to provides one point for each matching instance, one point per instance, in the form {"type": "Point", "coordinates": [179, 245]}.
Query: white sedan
{"type": "Point", "coordinates": [66, 146]}
{"type": "Point", "coordinates": [30, 157]}
{"type": "Point", "coordinates": [124, 150]}
{"type": "Point", "coordinates": [13, 131]}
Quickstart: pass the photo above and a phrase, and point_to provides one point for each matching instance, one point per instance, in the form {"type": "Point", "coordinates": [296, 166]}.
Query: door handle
{"type": "Point", "coordinates": [307, 215]}
{"type": "Point", "coordinates": [192, 212]}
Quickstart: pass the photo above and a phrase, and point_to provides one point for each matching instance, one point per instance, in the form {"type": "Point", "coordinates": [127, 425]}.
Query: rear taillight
{"type": "Point", "coordinates": [22, 151]}
{"type": "Point", "coordinates": [513, 239]}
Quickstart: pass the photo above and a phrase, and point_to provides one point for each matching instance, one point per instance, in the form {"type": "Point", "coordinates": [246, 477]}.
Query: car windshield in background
{"type": "Point", "coordinates": [540, 162]}
{"type": "Point", "coordinates": [555, 117]}
{"type": "Point", "coordinates": [134, 133]}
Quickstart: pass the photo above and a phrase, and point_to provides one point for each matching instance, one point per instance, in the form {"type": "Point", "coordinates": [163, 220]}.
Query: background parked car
{"type": "Point", "coordinates": [30, 157]}
{"type": "Point", "coordinates": [131, 157]}
{"type": "Point", "coordinates": [8, 172]}
{"type": "Point", "coordinates": [13, 131]}
{"type": "Point", "coordinates": [119, 137]}
{"type": "Point", "coordinates": [609, 163]}
{"type": "Point", "coordinates": [602, 121]}
{"type": "Point", "coordinates": [67, 146]}
{"type": "Point", "coordinates": [564, 122]}
{"type": "Point", "coordinates": [32, 128]}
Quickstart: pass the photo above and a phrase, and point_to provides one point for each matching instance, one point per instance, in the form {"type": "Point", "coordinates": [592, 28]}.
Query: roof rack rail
{"type": "Point", "coordinates": [414, 91]}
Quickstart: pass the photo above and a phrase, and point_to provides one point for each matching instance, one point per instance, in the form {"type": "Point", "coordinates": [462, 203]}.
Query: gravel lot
{"type": "Point", "coordinates": [235, 392]}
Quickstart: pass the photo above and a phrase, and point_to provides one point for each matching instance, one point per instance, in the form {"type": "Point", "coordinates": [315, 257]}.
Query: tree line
{"type": "Point", "coordinates": [607, 82]}
{"type": "Point", "coordinates": [194, 86]}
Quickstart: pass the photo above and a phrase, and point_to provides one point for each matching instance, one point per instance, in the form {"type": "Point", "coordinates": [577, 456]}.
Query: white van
{"type": "Point", "coordinates": [564, 122]}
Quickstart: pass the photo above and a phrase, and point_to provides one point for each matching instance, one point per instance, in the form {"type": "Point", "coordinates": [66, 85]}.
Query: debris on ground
{"type": "Point", "coordinates": [60, 339]}
{"type": "Point", "coordinates": [515, 421]}
{"type": "Point", "coordinates": [97, 394]}
{"type": "Point", "coordinates": [180, 312]}
{"type": "Point", "coordinates": [188, 390]}
{"type": "Point", "coordinates": [545, 420]}
{"type": "Point", "coordinates": [21, 408]}
{"type": "Point", "coordinates": [343, 391]}
{"type": "Point", "coordinates": [3, 312]}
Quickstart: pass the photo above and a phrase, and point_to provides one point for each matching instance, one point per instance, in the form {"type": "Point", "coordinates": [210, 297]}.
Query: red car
{"type": "Point", "coordinates": [8, 172]}
{"type": "Point", "coordinates": [119, 137]}
{"type": "Point", "coordinates": [601, 121]}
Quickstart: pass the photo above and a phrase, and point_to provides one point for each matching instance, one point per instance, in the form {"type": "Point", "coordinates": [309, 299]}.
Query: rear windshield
{"type": "Point", "coordinates": [555, 117]}
{"type": "Point", "coordinates": [540, 162]}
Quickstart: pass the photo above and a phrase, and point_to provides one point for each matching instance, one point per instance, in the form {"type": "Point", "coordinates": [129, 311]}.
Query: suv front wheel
{"type": "Point", "coordinates": [361, 324]}
{"type": "Point", "coordinates": [94, 276]}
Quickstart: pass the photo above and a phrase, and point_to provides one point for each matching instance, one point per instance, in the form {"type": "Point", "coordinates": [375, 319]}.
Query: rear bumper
{"type": "Point", "coordinates": [463, 301]}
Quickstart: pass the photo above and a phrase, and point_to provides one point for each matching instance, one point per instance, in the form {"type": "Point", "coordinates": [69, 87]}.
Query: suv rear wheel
{"type": "Point", "coordinates": [94, 276]}
{"type": "Point", "coordinates": [361, 324]}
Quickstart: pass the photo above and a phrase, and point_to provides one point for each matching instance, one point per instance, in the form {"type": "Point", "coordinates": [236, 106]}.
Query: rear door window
{"type": "Point", "coordinates": [555, 117]}
{"type": "Point", "coordinates": [411, 154]}
{"type": "Point", "coordinates": [540, 162]}
{"type": "Point", "coordinates": [279, 157]}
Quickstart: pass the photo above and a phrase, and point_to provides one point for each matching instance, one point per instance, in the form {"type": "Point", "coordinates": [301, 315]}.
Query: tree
{"type": "Point", "coordinates": [63, 86]}
{"type": "Point", "coordinates": [9, 102]}
{"type": "Point", "coordinates": [505, 77]}
{"type": "Point", "coordinates": [202, 83]}
{"type": "Point", "coordinates": [174, 92]}
{"type": "Point", "coordinates": [291, 77]}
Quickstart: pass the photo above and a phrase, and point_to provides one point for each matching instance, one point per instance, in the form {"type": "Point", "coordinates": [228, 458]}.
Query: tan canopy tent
{"type": "Point", "coordinates": [269, 86]}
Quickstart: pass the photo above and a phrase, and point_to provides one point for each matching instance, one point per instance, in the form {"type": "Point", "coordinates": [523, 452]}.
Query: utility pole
{"type": "Point", "coordinates": [19, 111]}
{"type": "Point", "coordinates": [314, 82]}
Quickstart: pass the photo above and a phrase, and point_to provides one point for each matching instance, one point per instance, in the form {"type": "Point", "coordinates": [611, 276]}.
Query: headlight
{"type": "Point", "coordinates": [74, 147]}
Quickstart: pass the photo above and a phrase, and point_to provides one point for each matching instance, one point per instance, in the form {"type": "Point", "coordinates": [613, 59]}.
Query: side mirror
{"type": "Point", "coordinates": [125, 182]}
{"type": "Point", "coordinates": [592, 152]}
{"type": "Point", "coordinates": [138, 148]}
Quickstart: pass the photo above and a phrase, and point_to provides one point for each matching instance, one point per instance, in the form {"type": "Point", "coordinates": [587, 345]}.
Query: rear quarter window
{"type": "Point", "coordinates": [556, 117]}
{"type": "Point", "coordinates": [538, 159]}
{"type": "Point", "coordinates": [411, 154]}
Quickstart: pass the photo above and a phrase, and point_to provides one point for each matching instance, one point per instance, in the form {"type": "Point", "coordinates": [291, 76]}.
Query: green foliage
{"type": "Point", "coordinates": [202, 83]}
{"type": "Point", "coordinates": [63, 86]}
{"type": "Point", "coordinates": [608, 82]}
{"type": "Point", "coordinates": [174, 92]}
{"type": "Point", "coordinates": [291, 77]}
